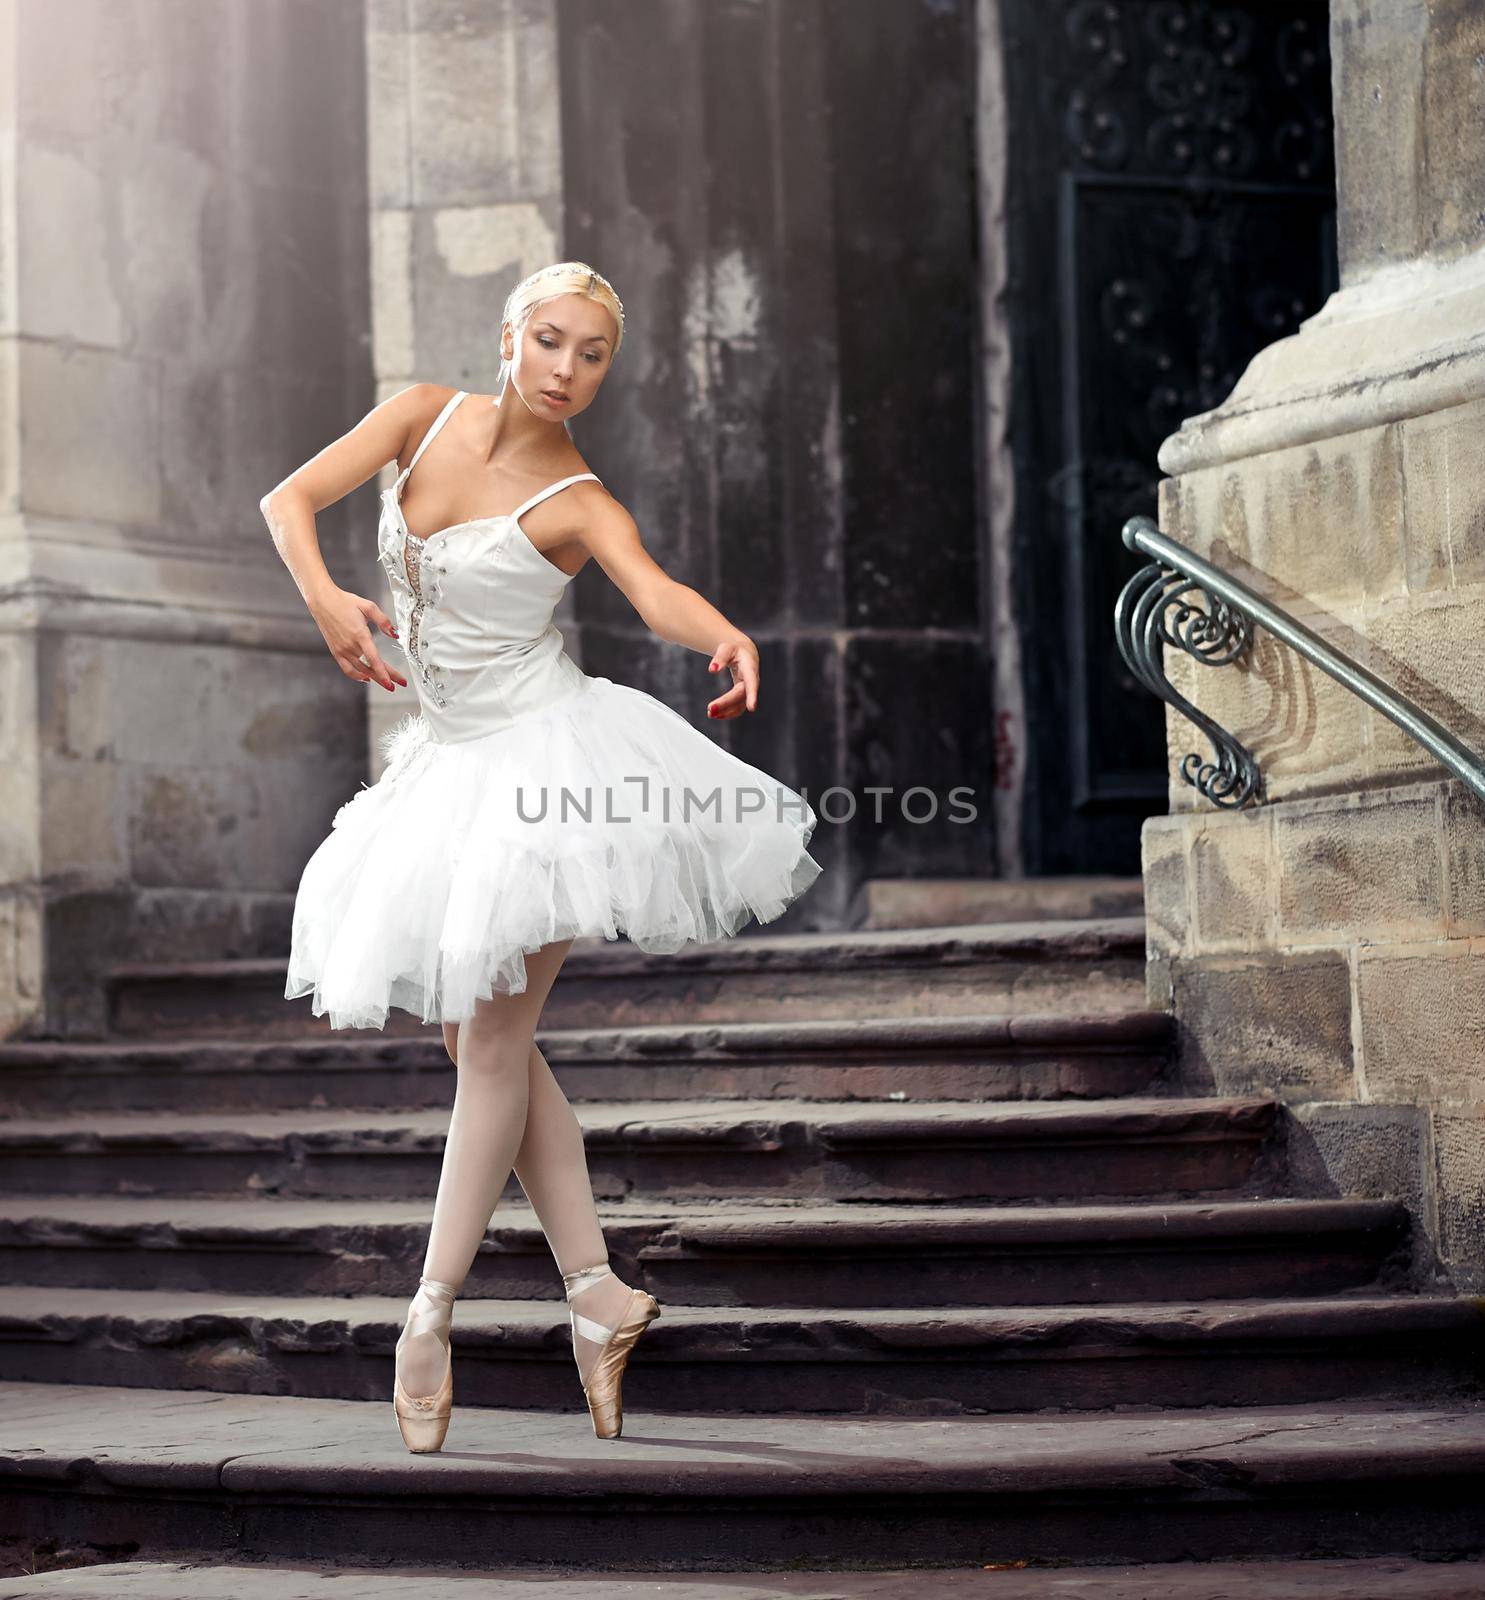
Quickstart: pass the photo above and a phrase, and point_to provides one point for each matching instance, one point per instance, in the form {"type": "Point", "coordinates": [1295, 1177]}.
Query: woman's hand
{"type": "Point", "coordinates": [741, 655]}
{"type": "Point", "coordinates": [342, 618]}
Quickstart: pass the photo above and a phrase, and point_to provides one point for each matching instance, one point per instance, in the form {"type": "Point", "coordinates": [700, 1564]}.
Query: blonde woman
{"type": "Point", "coordinates": [524, 804]}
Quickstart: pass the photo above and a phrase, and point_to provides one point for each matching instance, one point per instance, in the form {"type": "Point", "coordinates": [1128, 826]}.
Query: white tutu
{"type": "Point", "coordinates": [435, 882]}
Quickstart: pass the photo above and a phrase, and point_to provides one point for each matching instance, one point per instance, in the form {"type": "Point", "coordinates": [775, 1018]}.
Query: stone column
{"type": "Point", "coordinates": [466, 199]}
{"type": "Point", "coordinates": [182, 304]}
{"type": "Point", "coordinates": [1326, 946]}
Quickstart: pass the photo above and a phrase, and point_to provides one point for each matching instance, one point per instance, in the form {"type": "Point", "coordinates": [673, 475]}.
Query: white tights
{"type": "Point", "coordinates": [509, 1113]}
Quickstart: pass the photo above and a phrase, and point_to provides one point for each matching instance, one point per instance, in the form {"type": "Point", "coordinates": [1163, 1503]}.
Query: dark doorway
{"type": "Point", "coordinates": [783, 192]}
{"type": "Point", "coordinates": [1171, 211]}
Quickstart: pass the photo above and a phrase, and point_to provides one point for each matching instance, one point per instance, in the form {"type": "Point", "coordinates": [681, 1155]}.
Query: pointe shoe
{"type": "Point", "coordinates": [602, 1390]}
{"type": "Point", "coordinates": [423, 1420]}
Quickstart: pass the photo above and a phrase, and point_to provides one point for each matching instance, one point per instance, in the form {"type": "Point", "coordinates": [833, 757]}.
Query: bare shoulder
{"type": "Point", "coordinates": [611, 537]}
{"type": "Point", "coordinates": [416, 408]}
{"type": "Point", "coordinates": [605, 520]}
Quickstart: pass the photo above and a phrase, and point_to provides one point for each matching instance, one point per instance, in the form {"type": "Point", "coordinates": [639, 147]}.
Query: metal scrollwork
{"type": "Point", "coordinates": [1156, 608]}
{"type": "Point", "coordinates": [1160, 606]}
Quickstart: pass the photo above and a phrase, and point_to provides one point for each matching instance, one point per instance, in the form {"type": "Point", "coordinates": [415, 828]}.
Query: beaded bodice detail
{"type": "Point", "coordinates": [412, 565]}
{"type": "Point", "coordinates": [473, 605]}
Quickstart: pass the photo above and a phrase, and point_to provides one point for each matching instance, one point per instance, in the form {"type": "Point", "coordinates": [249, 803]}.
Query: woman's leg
{"type": "Point", "coordinates": [486, 1127]}
{"type": "Point", "coordinates": [552, 1166]}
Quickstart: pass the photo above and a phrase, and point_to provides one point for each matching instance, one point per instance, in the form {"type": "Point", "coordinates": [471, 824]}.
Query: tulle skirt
{"type": "Point", "coordinates": [604, 813]}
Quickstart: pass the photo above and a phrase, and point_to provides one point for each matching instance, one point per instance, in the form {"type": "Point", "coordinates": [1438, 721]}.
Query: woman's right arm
{"type": "Point", "coordinates": [289, 510]}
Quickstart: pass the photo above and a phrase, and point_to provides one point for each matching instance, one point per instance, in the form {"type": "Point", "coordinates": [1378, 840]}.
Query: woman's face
{"type": "Point", "coordinates": [564, 350]}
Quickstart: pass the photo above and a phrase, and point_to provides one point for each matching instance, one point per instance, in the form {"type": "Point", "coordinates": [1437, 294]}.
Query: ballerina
{"type": "Point", "coordinates": [525, 803]}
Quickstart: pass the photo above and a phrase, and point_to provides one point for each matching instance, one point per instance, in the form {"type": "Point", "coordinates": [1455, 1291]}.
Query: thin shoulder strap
{"type": "Point", "coordinates": [442, 417]}
{"type": "Point", "coordinates": [551, 488]}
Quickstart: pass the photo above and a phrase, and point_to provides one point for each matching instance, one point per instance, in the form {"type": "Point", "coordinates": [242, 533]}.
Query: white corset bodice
{"type": "Point", "coordinates": [473, 606]}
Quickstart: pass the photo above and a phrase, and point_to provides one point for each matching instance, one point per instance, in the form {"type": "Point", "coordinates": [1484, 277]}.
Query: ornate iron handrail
{"type": "Point", "coordinates": [1184, 601]}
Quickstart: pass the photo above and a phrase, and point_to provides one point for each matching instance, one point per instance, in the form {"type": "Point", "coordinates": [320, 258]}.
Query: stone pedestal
{"type": "Point", "coordinates": [1326, 947]}
{"type": "Point", "coordinates": [181, 308]}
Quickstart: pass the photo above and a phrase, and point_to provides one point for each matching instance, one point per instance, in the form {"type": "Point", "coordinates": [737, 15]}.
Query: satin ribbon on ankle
{"type": "Point", "coordinates": [433, 1315]}
{"type": "Point", "coordinates": [577, 1281]}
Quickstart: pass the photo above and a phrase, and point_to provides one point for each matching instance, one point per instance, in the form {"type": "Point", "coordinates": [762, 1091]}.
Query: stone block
{"type": "Point", "coordinates": [1280, 1024]}
{"type": "Point", "coordinates": [1167, 895]}
{"type": "Point", "coordinates": [20, 766]}
{"type": "Point", "coordinates": [1462, 820]}
{"type": "Point", "coordinates": [70, 47]}
{"type": "Point", "coordinates": [84, 822]}
{"type": "Point", "coordinates": [21, 958]}
{"type": "Point", "coordinates": [200, 505]}
{"type": "Point", "coordinates": [68, 283]}
{"type": "Point", "coordinates": [227, 827]}
{"type": "Point", "coordinates": [1232, 874]}
{"type": "Point", "coordinates": [1380, 141]}
{"type": "Point", "coordinates": [502, 58]}
{"type": "Point", "coordinates": [1318, 523]}
{"type": "Point", "coordinates": [1354, 1148]}
{"type": "Point", "coordinates": [1160, 994]}
{"type": "Point", "coordinates": [181, 827]}
{"type": "Point", "coordinates": [1444, 497]}
{"type": "Point", "coordinates": [186, 705]}
{"type": "Point", "coordinates": [98, 458]}
{"type": "Point", "coordinates": [164, 208]}
{"type": "Point", "coordinates": [901, 735]}
{"type": "Point", "coordinates": [186, 97]}
{"type": "Point", "coordinates": [462, 269]}
{"type": "Point", "coordinates": [1433, 652]}
{"type": "Point", "coordinates": [394, 341]}
{"type": "Point", "coordinates": [1207, 511]}
{"type": "Point", "coordinates": [1459, 1178]}
{"type": "Point", "coordinates": [301, 96]}
{"type": "Point", "coordinates": [1452, 116]}
{"type": "Point", "coordinates": [85, 936]}
{"type": "Point", "coordinates": [177, 924]}
{"type": "Point", "coordinates": [73, 696]}
{"type": "Point", "coordinates": [1367, 865]}
{"type": "Point", "coordinates": [1421, 1021]}
{"type": "Point", "coordinates": [306, 322]}
{"type": "Point", "coordinates": [389, 104]}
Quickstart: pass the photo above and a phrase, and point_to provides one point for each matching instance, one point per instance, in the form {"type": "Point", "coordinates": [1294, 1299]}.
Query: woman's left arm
{"type": "Point", "coordinates": [674, 611]}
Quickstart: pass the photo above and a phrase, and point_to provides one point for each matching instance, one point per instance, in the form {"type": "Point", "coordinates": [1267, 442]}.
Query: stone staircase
{"type": "Point", "coordinates": [953, 1272]}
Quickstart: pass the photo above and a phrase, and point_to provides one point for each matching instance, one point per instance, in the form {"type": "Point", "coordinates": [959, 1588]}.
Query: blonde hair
{"type": "Point", "coordinates": [565, 277]}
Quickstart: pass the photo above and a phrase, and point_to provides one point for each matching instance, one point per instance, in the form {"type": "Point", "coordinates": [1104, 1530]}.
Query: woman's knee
{"type": "Point", "coordinates": [508, 1019]}
{"type": "Point", "coordinates": [498, 1037]}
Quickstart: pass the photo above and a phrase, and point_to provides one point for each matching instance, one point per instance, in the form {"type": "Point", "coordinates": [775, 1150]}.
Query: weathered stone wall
{"type": "Point", "coordinates": [182, 306]}
{"type": "Point", "coordinates": [1327, 945]}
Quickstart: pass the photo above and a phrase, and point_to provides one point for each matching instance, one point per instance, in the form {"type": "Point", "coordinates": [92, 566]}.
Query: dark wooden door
{"type": "Point", "coordinates": [1171, 211]}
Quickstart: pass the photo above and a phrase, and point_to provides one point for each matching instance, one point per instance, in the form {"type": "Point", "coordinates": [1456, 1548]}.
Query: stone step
{"type": "Point", "coordinates": [278, 1478]}
{"type": "Point", "coordinates": [818, 1360]}
{"type": "Point", "coordinates": [1082, 965]}
{"type": "Point", "coordinates": [729, 1253]}
{"type": "Point", "coordinates": [861, 1150]}
{"type": "Point", "coordinates": [1364, 1578]}
{"type": "Point", "coordinates": [940, 902]}
{"type": "Point", "coordinates": [981, 1057]}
